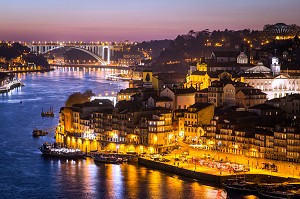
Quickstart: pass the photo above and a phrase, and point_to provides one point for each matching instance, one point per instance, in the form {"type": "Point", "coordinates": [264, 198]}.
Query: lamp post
{"type": "Point", "coordinates": [118, 149]}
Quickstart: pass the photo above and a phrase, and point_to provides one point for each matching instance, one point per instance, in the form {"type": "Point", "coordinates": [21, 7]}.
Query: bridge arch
{"type": "Point", "coordinates": [99, 59]}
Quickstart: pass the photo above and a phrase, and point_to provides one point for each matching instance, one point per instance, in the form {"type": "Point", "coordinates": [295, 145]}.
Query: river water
{"type": "Point", "coordinates": [25, 173]}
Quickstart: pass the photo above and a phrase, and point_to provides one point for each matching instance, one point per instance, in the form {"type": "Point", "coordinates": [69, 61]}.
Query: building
{"type": "Point", "coordinates": [290, 104]}
{"type": "Point", "coordinates": [260, 77]}
{"type": "Point", "coordinates": [160, 131]}
{"type": "Point", "coordinates": [195, 118]}
{"type": "Point", "coordinates": [181, 97]}
{"type": "Point", "coordinates": [162, 80]}
{"type": "Point", "coordinates": [246, 98]}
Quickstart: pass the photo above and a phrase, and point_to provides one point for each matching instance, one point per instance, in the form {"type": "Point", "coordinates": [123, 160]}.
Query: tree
{"type": "Point", "coordinates": [79, 98]}
{"type": "Point", "coordinates": [147, 77]}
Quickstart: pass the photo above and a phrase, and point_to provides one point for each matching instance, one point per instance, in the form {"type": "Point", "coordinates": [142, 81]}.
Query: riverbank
{"type": "Point", "coordinates": [92, 66]}
{"type": "Point", "coordinates": [210, 174]}
{"type": "Point", "coordinates": [33, 71]}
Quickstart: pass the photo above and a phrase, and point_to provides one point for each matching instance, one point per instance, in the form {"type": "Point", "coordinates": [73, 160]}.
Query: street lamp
{"type": "Point", "coordinates": [118, 148]}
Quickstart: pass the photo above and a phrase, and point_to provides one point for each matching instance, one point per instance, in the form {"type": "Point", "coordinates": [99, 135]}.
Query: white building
{"type": "Point", "coordinates": [274, 86]}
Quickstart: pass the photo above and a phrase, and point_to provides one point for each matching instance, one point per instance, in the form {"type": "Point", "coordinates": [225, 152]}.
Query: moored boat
{"type": "Point", "coordinates": [240, 186]}
{"type": "Point", "coordinates": [38, 132]}
{"type": "Point", "coordinates": [280, 191]}
{"type": "Point", "coordinates": [49, 113]}
{"type": "Point", "coordinates": [54, 150]}
{"type": "Point", "coordinates": [107, 159]}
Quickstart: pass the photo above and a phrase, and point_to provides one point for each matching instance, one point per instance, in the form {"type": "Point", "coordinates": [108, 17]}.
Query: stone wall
{"type": "Point", "coordinates": [182, 172]}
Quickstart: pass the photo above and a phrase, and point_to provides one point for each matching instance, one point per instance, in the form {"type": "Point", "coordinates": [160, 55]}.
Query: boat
{"type": "Point", "coordinates": [38, 132]}
{"type": "Point", "coordinates": [107, 159]}
{"type": "Point", "coordinates": [49, 113]}
{"type": "Point", "coordinates": [281, 191]}
{"type": "Point", "coordinates": [240, 186]}
{"type": "Point", "coordinates": [54, 150]}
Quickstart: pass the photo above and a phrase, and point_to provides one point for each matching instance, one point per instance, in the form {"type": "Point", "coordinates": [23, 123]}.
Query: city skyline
{"type": "Point", "coordinates": [135, 20]}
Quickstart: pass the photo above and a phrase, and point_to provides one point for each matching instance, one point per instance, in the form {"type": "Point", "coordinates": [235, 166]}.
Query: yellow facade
{"type": "Point", "coordinates": [195, 120]}
{"type": "Point", "coordinates": [66, 119]}
{"type": "Point", "coordinates": [147, 76]}
{"type": "Point", "coordinates": [202, 79]}
{"type": "Point", "coordinates": [155, 83]}
{"type": "Point", "coordinates": [201, 67]}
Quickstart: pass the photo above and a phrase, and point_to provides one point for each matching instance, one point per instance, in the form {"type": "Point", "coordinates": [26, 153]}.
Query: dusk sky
{"type": "Point", "coordinates": [135, 20]}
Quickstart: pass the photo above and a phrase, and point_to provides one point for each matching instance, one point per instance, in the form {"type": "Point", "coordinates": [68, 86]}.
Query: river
{"type": "Point", "coordinates": [25, 173]}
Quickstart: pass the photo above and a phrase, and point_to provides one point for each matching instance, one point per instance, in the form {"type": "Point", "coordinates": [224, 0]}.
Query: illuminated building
{"type": "Point", "coordinates": [160, 102]}
{"type": "Point", "coordinates": [197, 116]}
{"type": "Point", "coordinates": [290, 104]}
{"type": "Point", "coordinates": [262, 78]}
{"type": "Point", "coordinates": [270, 81]}
{"type": "Point", "coordinates": [250, 97]}
{"type": "Point", "coordinates": [126, 94]}
{"type": "Point", "coordinates": [160, 130]}
{"type": "Point", "coordinates": [161, 80]}
{"type": "Point", "coordinates": [181, 97]}
{"type": "Point", "coordinates": [281, 31]}
{"type": "Point", "coordinates": [128, 127]}
{"type": "Point", "coordinates": [130, 60]}
{"type": "Point", "coordinates": [200, 77]}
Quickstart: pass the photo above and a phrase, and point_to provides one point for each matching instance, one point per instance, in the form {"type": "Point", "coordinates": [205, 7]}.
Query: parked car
{"type": "Point", "coordinates": [164, 160]}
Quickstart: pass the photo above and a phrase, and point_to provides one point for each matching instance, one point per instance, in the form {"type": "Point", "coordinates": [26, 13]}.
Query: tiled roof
{"type": "Point", "coordinates": [200, 105]}
{"type": "Point", "coordinates": [184, 90]}
{"type": "Point", "coordinates": [226, 53]}
{"type": "Point", "coordinates": [163, 99]}
{"type": "Point", "coordinates": [168, 76]}
{"type": "Point", "coordinates": [252, 92]}
{"type": "Point", "coordinates": [264, 107]}
{"type": "Point", "coordinates": [130, 90]}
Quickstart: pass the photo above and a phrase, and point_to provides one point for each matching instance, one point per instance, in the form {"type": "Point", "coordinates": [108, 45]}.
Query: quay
{"type": "Point", "coordinates": [212, 175]}
{"type": "Point", "coordinates": [33, 70]}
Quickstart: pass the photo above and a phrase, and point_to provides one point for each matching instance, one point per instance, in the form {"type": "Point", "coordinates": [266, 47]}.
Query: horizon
{"type": "Point", "coordinates": [134, 20]}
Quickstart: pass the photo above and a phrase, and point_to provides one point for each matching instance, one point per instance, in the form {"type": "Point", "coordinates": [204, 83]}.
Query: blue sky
{"type": "Point", "coordinates": [135, 20]}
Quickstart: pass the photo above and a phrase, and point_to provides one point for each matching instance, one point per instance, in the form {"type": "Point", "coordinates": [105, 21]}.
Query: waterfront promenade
{"type": "Point", "coordinates": [211, 173]}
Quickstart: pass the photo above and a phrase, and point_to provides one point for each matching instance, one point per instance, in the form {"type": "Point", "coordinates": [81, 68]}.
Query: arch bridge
{"type": "Point", "coordinates": [95, 50]}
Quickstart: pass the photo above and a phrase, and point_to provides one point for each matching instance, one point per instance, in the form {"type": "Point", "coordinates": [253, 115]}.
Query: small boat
{"type": "Point", "coordinates": [53, 150]}
{"type": "Point", "coordinates": [107, 159]}
{"type": "Point", "coordinates": [38, 132]}
{"type": "Point", "coordinates": [49, 113]}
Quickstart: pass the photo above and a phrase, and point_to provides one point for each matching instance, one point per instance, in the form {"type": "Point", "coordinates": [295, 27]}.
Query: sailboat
{"type": "Point", "coordinates": [49, 113]}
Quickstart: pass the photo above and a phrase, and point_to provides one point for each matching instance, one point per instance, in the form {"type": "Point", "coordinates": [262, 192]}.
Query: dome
{"type": "Point", "coordinates": [280, 28]}
{"type": "Point", "coordinates": [259, 68]}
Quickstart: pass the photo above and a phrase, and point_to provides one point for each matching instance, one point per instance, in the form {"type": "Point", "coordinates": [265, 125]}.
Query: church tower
{"type": "Point", "coordinates": [275, 66]}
